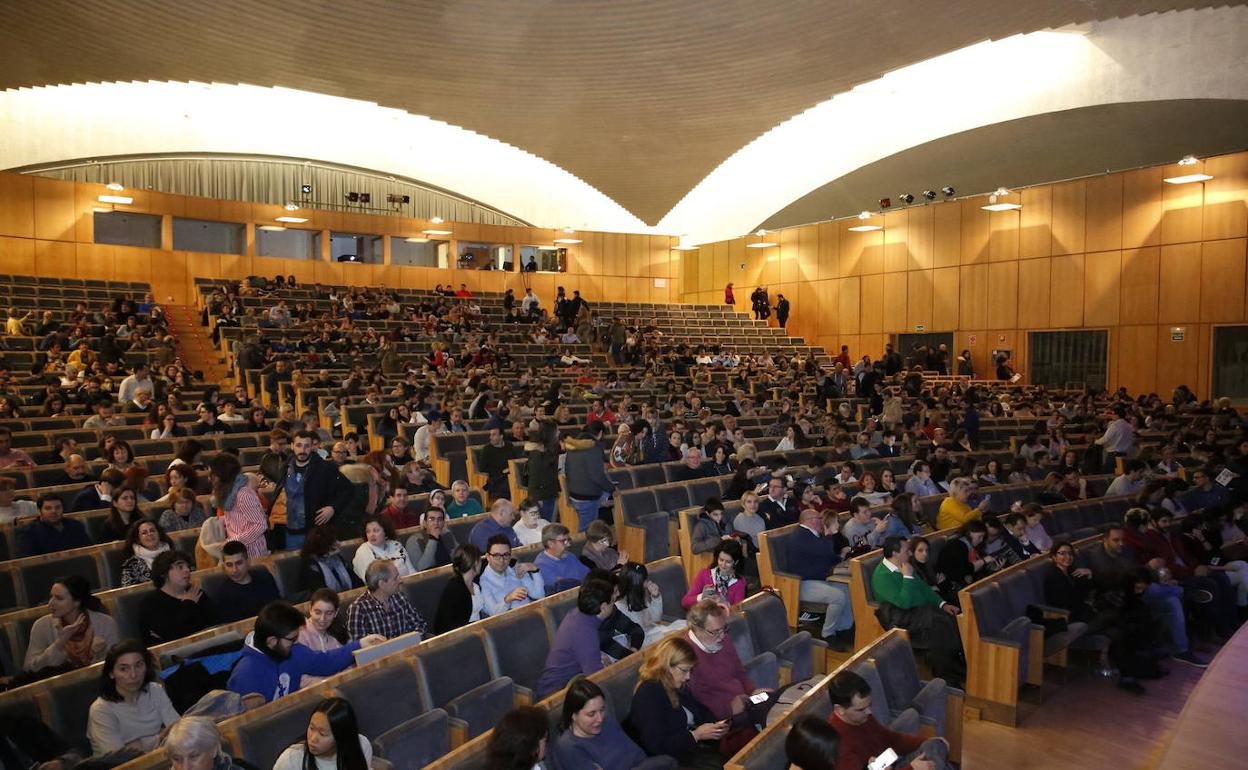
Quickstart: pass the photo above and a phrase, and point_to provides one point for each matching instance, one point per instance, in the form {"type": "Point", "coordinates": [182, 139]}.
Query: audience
{"type": "Point", "coordinates": [815, 552]}
{"type": "Point", "coordinates": [322, 565]}
{"type": "Point", "coordinates": [434, 544]}
{"type": "Point", "coordinates": [132, 710]}
{"type": "Point", "coordinates": [184, 512]}
{"type": "Point", "coordinates": [718, 680]}
{"type": "Point", "coordinates": [246, 589]}
{"type": "Point", "coordinates": [380, 542]}
{"type": "Point", "coordinates": [177, 607]}
{"type": "Point", "coordinates": [559, 567]}
{"type": "Point", "coordinates": [51, 532]}
{"type": "Point", "coordinates": [862, 738]}
{"type": "Point", "coordinates": [575, 649]}
{"type": "Point", "coordinates": [235, 494]}
{"type": "Point", "coordinates": [812, 744]}
{"type": "Point", "coordinates": [502, 516]}
{"type": "Point", "coordinates": [461, 601]}
{"type": "Point", "coordinates": [384, 610]}
{"type": "Point", "coordinates": [906, 601]}
{"type": "Point", "coordinates": [665, 718]}
{"type": "Point", "coordinates": [518, 741]}
{"type": "Point", "coordinates": [76, 632]}
{"type": "Point", "coordinates": [599, 551]}
{"type": "Point", "coordinates": [332, 740]}
{"type": "Point", "coordinates": [145, 540]}
{"type": "Point", "coordinates": [531, 524]}
{"type": "Point", "coordinates": [461, 504]}
{"type": "Point", "coordinates": [589, 738]}
{"type": "Point", "coordinates": [721, 581]}
{"type": "Point", "coordinates": [194, 743]}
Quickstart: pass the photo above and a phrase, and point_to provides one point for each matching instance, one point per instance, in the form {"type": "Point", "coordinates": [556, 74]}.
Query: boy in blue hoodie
{"type": "Point", "coordinates": [273, 664]}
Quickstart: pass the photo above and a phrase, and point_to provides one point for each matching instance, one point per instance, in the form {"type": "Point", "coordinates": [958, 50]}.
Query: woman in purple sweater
{"type": "Point", "coordinates": [588, 738]}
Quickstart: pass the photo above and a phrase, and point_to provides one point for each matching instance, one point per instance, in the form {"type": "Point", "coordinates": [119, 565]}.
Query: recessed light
{"type": "Point", "coordinates": [684, 248]}
{"type": "Point", "coordinates": [272, 228]}
{"type": "Point", "coordinates": [292, 220]}
{"type": "Point", "coordinates": [865, 215]}
{"type": "Point", "coordinates": [1185, 179]}
{"type": "Point", "coordinates": [760, 245]}
{"type": "Point", "coordinates": [1002, 206]}
{"type": "Point", "coordinates": [864, 228]}
{"type": "Point", "coordinates": [115, 186]}
{"type": "Point", "coordinates": [291, 207]}
{"type": "Point", "coordinates": [567, 240]}
{"type": "Point", "coordinates": [416, 240]}
{"type": "Point", "coordinates": [568, 230]}
{"type": "Point", "coordinates": [124, 199]}
{"type": "Point", "coordinates": [436, 232]}
{"type": "Point", "coordinates": [437, 220]}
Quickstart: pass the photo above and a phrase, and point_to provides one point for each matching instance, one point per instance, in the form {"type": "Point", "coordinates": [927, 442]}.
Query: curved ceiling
{"type": "Point", "coordinates": [636, 101]}
{"type": "Point", "coordinates": [1028, 151]}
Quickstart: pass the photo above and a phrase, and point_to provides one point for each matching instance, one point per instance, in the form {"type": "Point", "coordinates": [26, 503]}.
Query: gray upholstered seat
{"type": "Point", "coordinates": [385, 696]}
{"type": "Point", "coordinates": [768, 625]}
{"type": "Point", "coordinates": [894, 662]}
{"type": "Point", "coordinates": [517, 644]}
{"type": "Point", "coordinates": [906, 720]}
{"type": "Point", "coordinates": [762, 667]}
{"type": "Point", "coordinates": [415, 743]}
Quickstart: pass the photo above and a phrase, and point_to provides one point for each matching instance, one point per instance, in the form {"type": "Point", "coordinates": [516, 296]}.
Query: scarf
{"type": "Point", "coordinates": [228, 502]}
{"type": "Point", "coordinates": [335, 573]}
{"type": "Point", "coordinates": [722, 583]}
{"type": "Point", "coordinates": [78, 648]}
{"type": "Point", "coordinates": [148, 554]}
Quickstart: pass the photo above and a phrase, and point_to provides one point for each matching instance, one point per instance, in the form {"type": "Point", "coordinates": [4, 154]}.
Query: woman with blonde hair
{"type": "Point", "coordinates": [665, 717]}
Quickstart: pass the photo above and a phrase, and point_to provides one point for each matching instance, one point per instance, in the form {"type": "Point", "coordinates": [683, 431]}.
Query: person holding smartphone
{"type": "Point", "coordinates": [867, 743]}
{"type": "Point", "coordinates": [665, 717]}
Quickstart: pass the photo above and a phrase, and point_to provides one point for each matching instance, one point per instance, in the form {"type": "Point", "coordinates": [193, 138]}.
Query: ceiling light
{"type": "Point", "coordinates": [115, 186]}
{"type": "Point", "coordinates": [906, 198]}
{"type": "Point", "coordinates": [291, 220]}
{"type": "Point", "coordinates": [291, 207]}
{"type": "Point", "coordinates": [865, 215]}
{"type": "Point", "coordinates": [568, 230]}
{"type": "Point", "coordinates": [929, 194]}
{"type": "Point", "coordinates": [547, 248]}
{"type": "Point", "coordinates": [1002, 206]}
{"type": "Point", "coordinates": [760, 245]}
{"type": "Point", "coordinates": [864, 228]}
{"type": "Point", "coordinates": [436, 232]}
{"type": "Point", "coordinates": [567, 240]}
{"type": "Point", "coordinates": [760, 233]}
{"type": "Point", "coordinates": [1188, 160]}
{"type": "Point", "coordinates": [437, 220]}
{"type": "Point", "coordinates": [948, 191]}
{"type": "Point", "coordinates": [683, 247]}
{"type": "Point", "coordinates": [416, 240]}
{"type": "Point", "coordinates": [101, 210]}
{"type": "Point", "coordinates": [1185, 179]}
{"type": "Point", "coordinates": [272, 228]}
{"type": "Point", "coordinates": [1001, 191]}
{"type": "Point", "coordinates": [115, 199]}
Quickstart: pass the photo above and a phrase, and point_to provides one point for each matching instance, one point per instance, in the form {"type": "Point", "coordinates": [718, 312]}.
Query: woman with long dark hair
{"type": "Point", "coordinates": [518, 741]}
{"type": "Point", "coordinates": [461, 601]}
{"type": "Point", "coordinates": [235, 495]}
{"type": "Point", "coordinates": [123, 512]}
{"type": "Point", "coordinates": [145, 540]}
{"type": "Point", "coordinates": [332, 741]}
{"type": "Point", "coordinates": [588, 737]}
{"type": "Point", "coordinates": [321, 563]}
{"type": "Point", "coordinates": [542, 467]}
{"type": "Point", "coordinates": [76, 632]}
{"type": "Point", "coordinates": [133, 708]}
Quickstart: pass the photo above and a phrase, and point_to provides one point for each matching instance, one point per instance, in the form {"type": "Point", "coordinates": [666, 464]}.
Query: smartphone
{"type": "Point", "coordinates": [884, 761]}
{"type": "Point", "coordinates": [762, 696]}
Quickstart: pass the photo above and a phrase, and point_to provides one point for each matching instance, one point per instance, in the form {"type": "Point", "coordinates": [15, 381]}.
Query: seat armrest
{"type": "Point", "coordinates": [1053, 612]}
{"type": "Point", "coordinates": [522, 696]}
{"type": "Point", "coordinates": [458, 730]}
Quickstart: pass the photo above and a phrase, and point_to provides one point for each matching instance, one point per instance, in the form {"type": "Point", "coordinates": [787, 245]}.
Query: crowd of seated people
{"type": "Point", "coordinates": [303, 495]}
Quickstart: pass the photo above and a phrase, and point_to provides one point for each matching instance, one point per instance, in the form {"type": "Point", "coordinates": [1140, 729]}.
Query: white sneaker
{"type": "Point", "coordinates": [806, 617]}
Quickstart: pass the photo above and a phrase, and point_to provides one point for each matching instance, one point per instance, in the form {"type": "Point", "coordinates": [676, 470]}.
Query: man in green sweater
{"type": "Point", "coordinates": [906, 601]}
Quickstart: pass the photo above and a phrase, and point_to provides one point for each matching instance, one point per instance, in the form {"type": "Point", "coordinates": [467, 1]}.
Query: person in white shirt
{"type": "Point", "coordinates": [1130, 482]}
{"type": "Point", "coordinates": [1118, 439]}
{"type": "Point", "coordinates": [424, 435]}
{"type": "Point", "coordinates": [332, 730]}
{"type": "Point", "coordinates": [11, 510]}
{"type": "Point", "coordinates": [130, 385]}
{"type": "Point", "coordinates": [133, 709]}
{"type": "Point", "coordinates": [229, 414]}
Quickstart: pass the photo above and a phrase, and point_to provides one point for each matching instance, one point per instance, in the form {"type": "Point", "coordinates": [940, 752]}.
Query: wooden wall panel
{"type": "Point", "coordinates": [1177, 362]}
{"type": "Point", "coordinates": [896, 258]}
{"type": "Point", "coordinates": [975, 222]}
{"type": "Point", "coordinates": [947, 230]}
{"type": "Point", "coordinates": [919, 296]}
{"type": "Point", "coordinates": [1003, 229]}
{"type": "Point", "coordinates": [1141, 208]}
{"type": "Point", "coordinates": [1104, 213]}
{"type": "Point", "coordinates": [920, 238]}
{"type": "Point", "coordinates": [1226, 197]}
{"type": "Point", "coordinates": [1035, 235]}
{"type": "Point", "coordinates": [893, 301]}
{"type": "Point", "coordinates": [17, 255]}
{"type": "Point", "coordinates": [872, 308]}
{"type": "Point", "coordinates": [849, 309]}
{"type": "Point", "coordinates": [1066, 290]}
{"type": "Point", "coordinates": [829, 250]}
{"type": "Point", "coordinates": [1179, 287]}
{"type": "Point", "coordinates": [946, 287]}
{"type": "Point", "coordinates": [808, 253]}
{"type": "Point", "coordinates": [1069, 217]}
{"type": "Point", "coordinates": [1003, 294]}
{"type": "Point", "coordinates": [59, 258]}
{"type": "Point", "coordinates": [789, 240]}
{"type": "Point", "coordinates": [1182, 208]}
{"type": "Point", "coordinates": [53, 209]}
{"type": "Point", "coordinates": [1140, 282]}
{"type": "Point", "coordinates": [1222, 280]}
{"type": "Point", "coordinates": [973, 307]}
{"type": "Point", "coordinates": [1033, 293]}
{"type": "Point", "coordinates": [17, 214]}
{"type": "Point", "coordinates": [1137, 358]}
{"type": "Point", "coordinates": [1102, 288]}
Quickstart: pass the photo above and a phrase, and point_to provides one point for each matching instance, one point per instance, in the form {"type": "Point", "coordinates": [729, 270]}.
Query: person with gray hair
{"type": "Point", "coordinates": [194, 743]}
{"type": "Point", "coordinates": [560, 568]}
{"type": "Point", "coordinates": [384, 610]}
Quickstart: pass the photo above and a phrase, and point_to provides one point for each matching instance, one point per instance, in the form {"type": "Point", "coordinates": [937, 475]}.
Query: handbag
{"type": "Point", "coordinates": [211, 540]}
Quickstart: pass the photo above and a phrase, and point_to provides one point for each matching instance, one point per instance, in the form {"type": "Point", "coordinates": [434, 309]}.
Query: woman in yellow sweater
{"type": "Point", "coordinates": [954, 510]}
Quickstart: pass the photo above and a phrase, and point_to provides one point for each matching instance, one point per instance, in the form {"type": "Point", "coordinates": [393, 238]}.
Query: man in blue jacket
{"type": "Point", "coordinates": [273, 662]}
{"type": "Point", "coordinates": [812, 555]}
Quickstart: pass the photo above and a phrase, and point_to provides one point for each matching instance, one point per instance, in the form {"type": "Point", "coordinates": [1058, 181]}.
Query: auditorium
{"type": "Point", "coordinates": [633, 385]}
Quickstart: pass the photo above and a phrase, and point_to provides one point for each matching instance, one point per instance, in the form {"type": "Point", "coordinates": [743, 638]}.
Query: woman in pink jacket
{"type": "Point", "coordinates": [239, 505]}
{"type": "Point", "coordinates": [722, 581]}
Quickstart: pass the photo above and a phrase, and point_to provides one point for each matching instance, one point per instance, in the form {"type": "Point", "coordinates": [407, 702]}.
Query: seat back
{"type": "Point", "coordinates": [261, 736]}
{"type": "Point", "coordinates": [517, 644]}
{"type": "Point", "coordinates": [669, 575]}
{"type": "Point", "coordinates": [39, 574]}
{"type": "Point", "coordinates": [384, 694]}
{"type": "Point", "coordinates": [416, 742]}
{"type": "Point", "coordinates": [452, 665]}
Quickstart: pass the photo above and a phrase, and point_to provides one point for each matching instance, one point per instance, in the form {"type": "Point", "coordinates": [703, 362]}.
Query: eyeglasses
{"type": "Point", "coordinates": [503, 555]}
{"type": "Point", "coordinates": [684, 669]}
{"type": "Point", "coordinates": [717, 633]}
{"type": "Point", "coordinates": [564, 540]}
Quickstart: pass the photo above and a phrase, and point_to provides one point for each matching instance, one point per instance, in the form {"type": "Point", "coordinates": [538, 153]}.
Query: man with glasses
{"type": "Point", "coordinates": [340, 455]}
{"type": "Point", "coordinates": [719, 681]}
{"type": "Point", "coordinates": [433, 546]}
{"type": "Point", "coordinates": [499, 522]}
{"type": "Point", "coordinates": [503, 586]}
{"type": "Point", "coordinates": [814, 554]}
{"type": "Point", "coordinates": [559, 567]}
{"type": "Point", "coordinates": [384, 610]}
{"type": "Point", "coordinates": [273, 664]}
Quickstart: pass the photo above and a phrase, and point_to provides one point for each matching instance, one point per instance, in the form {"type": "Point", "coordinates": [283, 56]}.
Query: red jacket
{"type": "Point", "coordinates": [1150, 544]}
{"type": "Point", "coordinates": [859, 744]}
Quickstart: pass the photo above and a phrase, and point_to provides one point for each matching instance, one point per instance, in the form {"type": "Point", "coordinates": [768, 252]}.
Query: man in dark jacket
{"type": "Point", "coordinates": [813, 555]}
{"type": "Point", "coordinates": [494, 460]}
{"type": "Point", "coordinates": [585, 470]}
{"type": "Point", "coordinates": [51, 532]}
{"type": "Point", "coordinates": [315, 492]}
{"type": "Point", "coordinates": [778, 508]}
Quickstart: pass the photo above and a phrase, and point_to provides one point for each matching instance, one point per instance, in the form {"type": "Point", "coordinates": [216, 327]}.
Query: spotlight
{"type": "Point", "coordinates": [906, 198]}
{"type": "Point", "coordinates": [407, 199]}
{"type": "Point", "coordinates": [306, 189]}
{"type": "Point", "coordinates": [116, 186]}
{"type": "Point", "coordinates": [761, 233]}
{"type": "Point", "coordinates": [437, 220]}
{"type": "Point", "coordinates": [291, 207]}
{"type": "Point", "coordinates": [885, 202]}
{"type": "Point", "coordinates": [354, 197]}
{"type": "Point", "coordinates": [1188, 160]}
{"type": "Point", "coordinates": [365, 198]}
{"type": "Point", "coordinates": [947, 191]}
{"type": "Point", "coordinates": [929, 194]}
